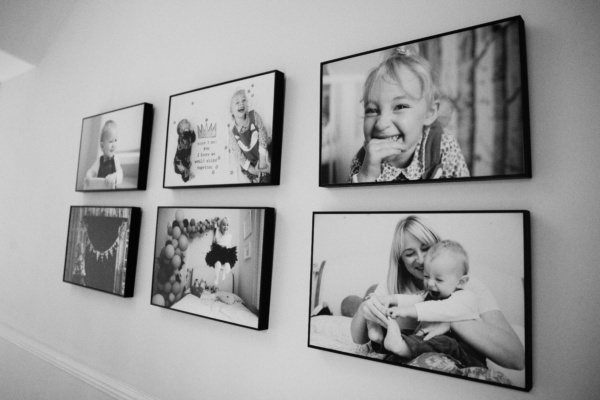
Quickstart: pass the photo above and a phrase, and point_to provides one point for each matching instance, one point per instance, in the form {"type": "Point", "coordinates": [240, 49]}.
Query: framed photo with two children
{"type": "Point", "coordinates": [442, 292]}
{"type": "Point", "coordinates": [228, 134]}
{"type": "Point", "coordinates": [115, 149]}
{"type": "Point", "coordinates": [450, 107]}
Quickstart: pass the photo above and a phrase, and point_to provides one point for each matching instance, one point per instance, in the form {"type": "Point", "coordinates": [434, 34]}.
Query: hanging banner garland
{"type": "Point", "coordinates": [102, 255]}
{"type": "Point", "coordinates": [108, 253]}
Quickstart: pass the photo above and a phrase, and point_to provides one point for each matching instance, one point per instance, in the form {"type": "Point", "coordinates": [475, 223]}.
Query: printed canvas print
{"type": "Point", "coordinates": [443, 292]}
{"type": "Point", "coordinates": [114, 150]}
{"type": "Point", "coordinates": [102, 248]}
{"type": "Point", "coordinates": [449, 107]}
{"type": "Point", "coordinates": [228, 134]}
{"type": "Point", "coordinates": [215, 263]}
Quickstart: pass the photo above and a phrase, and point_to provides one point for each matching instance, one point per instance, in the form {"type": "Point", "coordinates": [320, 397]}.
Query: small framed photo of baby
{"type": "Point", "coordinates": [102, 246]}
{"type": "Point", "coordinates": [114, 150]}
{"type": "Point", "coordinates": [228, 134]}
{"type": "Point", "coordinates": [206, 265]}
{"type": "Point", "coordinates": [442, 292]}
{"type": "Point", "coordinates": [450, 107]}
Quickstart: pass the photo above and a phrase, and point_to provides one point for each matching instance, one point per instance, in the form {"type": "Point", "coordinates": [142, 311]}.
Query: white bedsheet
{"type": "Point", "coordinates": [236, 313]}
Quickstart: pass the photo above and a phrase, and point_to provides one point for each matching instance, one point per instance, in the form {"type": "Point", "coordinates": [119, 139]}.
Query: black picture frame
{"type": "Point", "coordinates": [483, 107]}
{"type": "Point", "coordinates": [204, 146]}
{"type": "Point", "coordinates": [183, 280]}
{"type": "Point", "coordinates": [133, 127]}
{"type": "Point", "coordinates": [346, 268]}
{"type": "Point", "coordinates": [102, 248]}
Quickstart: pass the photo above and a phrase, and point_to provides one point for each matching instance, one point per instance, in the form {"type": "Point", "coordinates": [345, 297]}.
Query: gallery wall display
{"type": "Point", "coordinates": [215, 263]}
{"type": "Point", "coordinates": [378, 298]}
{"type": "Point", "coordinates": [114, 150]}
{"type": "Point", "coordinates": [452, 106]}
{"type": "Point", "coordinates": [227, 134]}
{"type": "Point", "coordinates": [102, 246]}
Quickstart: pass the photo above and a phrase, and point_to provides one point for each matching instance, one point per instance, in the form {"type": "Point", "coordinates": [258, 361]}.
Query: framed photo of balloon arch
{"type": "Point", "coordinates": [469, 271]}
{"type": "Point", "coordinates": [102, 248]}
{"type": "Point", "coordinates": [215, 263]}
{"type": "Point", "coordinates": [227, 134]}
{"type": "Point", "coordinates": [451, 107]}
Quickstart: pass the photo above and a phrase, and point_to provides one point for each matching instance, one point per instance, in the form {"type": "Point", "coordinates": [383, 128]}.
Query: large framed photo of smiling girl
{"type": "Point", "coordinates": [451, 107]}
{"type": "Point", "coordinates": [443, 292]}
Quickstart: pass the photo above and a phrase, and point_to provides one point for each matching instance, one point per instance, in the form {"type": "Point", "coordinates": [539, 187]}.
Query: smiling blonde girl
{"type": "Point", "coordinates": [403, 139]}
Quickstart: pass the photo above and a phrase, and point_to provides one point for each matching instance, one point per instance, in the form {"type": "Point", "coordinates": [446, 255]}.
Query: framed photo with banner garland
{"type": "Point", "coordinates": [453, 269]}
{"type": "Point", "coordinates": [449, 107]}
{"type": "Point", "coordinates": [228, 134]}
{"type": "Point", "coordinates": [102, 246]}
{"type": "Point", "coordinates": [205, 265]}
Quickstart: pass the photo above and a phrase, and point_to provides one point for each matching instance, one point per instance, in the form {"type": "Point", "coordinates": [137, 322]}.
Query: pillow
{"type": "Point", "coordinates": [228, 298]}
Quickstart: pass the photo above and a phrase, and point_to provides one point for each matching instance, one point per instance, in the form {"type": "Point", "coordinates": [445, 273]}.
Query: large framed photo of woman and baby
{"type": "Point", "coordinates": [102, 248]}
{"type": "Point", "coordinates": [443, 292]}
{"type": "Point", "coordinates": [215, 263]}
{"type": "Point", "coordinates": [227, 134]}
{"type": "Point", "coordinates": [450, 107]}
{"type": "Point", "coordinates": [115, 149]}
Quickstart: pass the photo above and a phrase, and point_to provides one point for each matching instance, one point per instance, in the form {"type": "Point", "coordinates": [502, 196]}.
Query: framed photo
{"type": "Point", "coordinates": [227, 134]}
{"type": "Point", "coordinates": [102, 246]}
{"type": "Point", "coordinates": [430, 268]}
{"type": "Point", "coordinates": [205, 266]}
{"type": "Point", "coordinates": [452, 106]}
{"type": "Point", "coordinates": [114, 150]}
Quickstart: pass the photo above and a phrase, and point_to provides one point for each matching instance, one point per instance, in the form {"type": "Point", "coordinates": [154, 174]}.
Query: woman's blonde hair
{"type": "Point", "coordinates": [399, 280]}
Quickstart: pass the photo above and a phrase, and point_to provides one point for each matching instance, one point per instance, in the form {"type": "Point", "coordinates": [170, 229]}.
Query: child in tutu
{"type": "Point", "coordinates": [222, 255]}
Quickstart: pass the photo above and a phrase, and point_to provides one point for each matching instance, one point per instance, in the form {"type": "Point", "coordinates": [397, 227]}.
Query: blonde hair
{"type": "Point", "coordinates": [399, 279]}
{"type": "Point", "coordinates": [236, 93]}
{"type": "Point", "coordinates": [183, 125]}
{"type": "Point", "coordinates": [453, 248]}
{"type": "Point", "coordinates": [389, 71]}
{"type": "Point", "coordinates": [110, 127]}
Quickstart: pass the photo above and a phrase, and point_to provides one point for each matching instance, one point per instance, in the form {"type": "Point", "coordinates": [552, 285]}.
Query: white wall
{"type": "Point", "coordinates": [112, 54]}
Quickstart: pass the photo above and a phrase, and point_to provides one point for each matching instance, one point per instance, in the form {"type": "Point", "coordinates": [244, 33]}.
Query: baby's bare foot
{"type": "Point", "coordinates": [393, 340]}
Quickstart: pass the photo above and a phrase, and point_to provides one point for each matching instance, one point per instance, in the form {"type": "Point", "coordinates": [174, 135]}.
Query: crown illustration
{"type": "Point", "coordinates": [207, 130]}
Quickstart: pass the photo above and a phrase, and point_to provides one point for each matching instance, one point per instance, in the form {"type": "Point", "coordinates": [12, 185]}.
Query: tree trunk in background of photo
{"type": "Point", "coordinates": [498, 157]}
{"type": "Point", "coordinates": [478, 73]}
{"type": "Point", "coordinates": [466, 95]}
{"type": "Point", "coordinates": [514, 162]}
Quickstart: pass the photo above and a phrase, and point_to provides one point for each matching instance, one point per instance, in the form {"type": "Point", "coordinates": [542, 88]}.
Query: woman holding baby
{"type": "Point", "coordinates": [491, 334]}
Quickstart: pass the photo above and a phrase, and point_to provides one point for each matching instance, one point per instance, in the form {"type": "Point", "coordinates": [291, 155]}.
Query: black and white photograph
{"type": "Point", "coordinates": [227, 134]}
{"type": "Point", "coordinates": [206, 265]}
{"type": "Point", "coordinates": [114, 150]}
{"type": "Point", "coordinates": [448, 107]}
{"type": "Point", "coordinates": [443, 292]}
{"type": "Point", "coordinates": [102, 246]}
